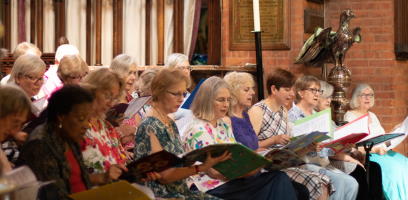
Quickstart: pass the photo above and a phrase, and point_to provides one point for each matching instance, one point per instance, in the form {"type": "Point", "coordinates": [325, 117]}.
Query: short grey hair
{"type": "Point", "coordinates": [64, 50]}
{"type": "Point", "coordinates": [13, 100]}
{"type": "Point", "coordinates": [26, 64]}
{"type": "Point", "coordinates": [236, 80]}
{"type": "Point", "coordinates": [355, 103]}
{"type": "Point", "coordinates": [327, 89]}
{"type": "Point", "coordinates": [71, 64]}
{"type": "Point", "coordinates": [26, 48]}
{"type": "Point", "coordinates": [121, 64]}
{"type": "Point", "coordinates": [202, 106]}
{"type": "Point", "coordinates": [175, 59]}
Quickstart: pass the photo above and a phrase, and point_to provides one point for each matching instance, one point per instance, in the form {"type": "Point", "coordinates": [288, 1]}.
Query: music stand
{"type": "Point", "coordinates": [368, 145]}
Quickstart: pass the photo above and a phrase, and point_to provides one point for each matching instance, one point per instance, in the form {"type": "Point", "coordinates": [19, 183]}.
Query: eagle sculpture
{"type": "Point", "coordinates": [326, 46]}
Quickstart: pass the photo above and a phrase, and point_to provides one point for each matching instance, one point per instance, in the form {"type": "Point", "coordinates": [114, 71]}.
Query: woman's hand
{"type": "Point", "coordinates": [152, 176]}
{"type": "Point", "coordinates": [281, 139]}
{"type": "Point", "coordinates": [211, 161]}
{"type": "Point", "coordinates": [114, 172]}
{"type": "Point", "coordinates": [379, 150]}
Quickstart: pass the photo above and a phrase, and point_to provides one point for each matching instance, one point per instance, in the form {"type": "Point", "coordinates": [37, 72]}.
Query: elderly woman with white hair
{"type": "Point", "coordinates": [393, 165]}
{"type": "Point", "coordinates": [126, 67]}
{"type": "Point", "coordinates": [179, 61]}
{"type": "Point", "coordinates": [52, 81]}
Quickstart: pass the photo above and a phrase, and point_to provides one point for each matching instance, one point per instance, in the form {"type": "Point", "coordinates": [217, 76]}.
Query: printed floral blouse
{"type": "Point", "coordinates": [200, 133]}
{"type": "Point", "coordinates": [101, 148]}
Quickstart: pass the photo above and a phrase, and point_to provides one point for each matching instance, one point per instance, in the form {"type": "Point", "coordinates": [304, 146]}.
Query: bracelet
{"type": "Point", "coordinates": [197, 169]}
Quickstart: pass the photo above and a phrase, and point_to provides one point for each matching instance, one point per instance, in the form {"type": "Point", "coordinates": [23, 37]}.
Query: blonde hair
{"type": "Point", "coordinates": [121, 64]}
{"type": "Point", "coordinates": [26, 48]}
{"type": "Point", "coordinates": [26, 64]}
{"type": "Point", "coordinates": [203, 106]}
{"type": "Point", "coordinates": [355, 103]}
{"type": "Point", "coordinates": [164, 79]}
{"type": "Point", "coordinates": [13, 100]}
{"type": "Point", "coordinates": [145, 81]}
{"type": "Point", "coordinates": [327, 89]}
{"type": "Point", "coordinates": [71, 64]}
{"type": "Point", "coordinates": [175, 59]}
{"type": "Point", "coordinates": [236, 80]}
{"type": "Point", "coordinates": [303, 83]}
{"type": "Point", "coordinates": [103, 79]}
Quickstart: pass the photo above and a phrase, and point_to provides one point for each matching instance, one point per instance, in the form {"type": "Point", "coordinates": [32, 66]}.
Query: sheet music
{"type": "Point", "coordinates": [135, 105]}
{"type": "Point", "coordinates": [26, 183]}
{"type": "Point", "coordinates": [318, 122]}
{"type": "Point", "coordinates": [359, 125]}
{"type": "Point", "coordinates": [402, 128]}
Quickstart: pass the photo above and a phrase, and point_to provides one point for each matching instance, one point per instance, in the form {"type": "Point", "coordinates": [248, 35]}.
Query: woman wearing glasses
{"type": "Point", "coordinates": [393, 165]}
{"type": "Point", "coordinates": [159, 132]}
{"type": "Point", "coordinates": [308, 92]}
{"type": "Point", "coordinates": [28, 71]}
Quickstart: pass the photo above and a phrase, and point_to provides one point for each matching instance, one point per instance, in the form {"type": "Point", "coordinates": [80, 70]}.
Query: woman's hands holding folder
{"type": "Point", "coordinates": [211, 161]}
{"type": "Point", "coordinates": [282, 139]}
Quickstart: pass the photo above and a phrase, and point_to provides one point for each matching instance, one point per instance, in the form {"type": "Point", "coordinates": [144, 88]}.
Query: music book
{"type": "Point", "coordinates": [379, 139]}
{"type": "Point", "coordinates": [131, 108]}
{"type": "Point", "coordinates": [402, 128]}
{"type": "Point", "coordinates": [187, 103]}
{"type": "Point", "coordinates": [121, 190]}
{"type": "Point", "coordinates": [243, 161]}
{"type": "Point", "coordinates": [281, 159]}
{"type": "Point", "coordinates": [302, 141]}
{"type": "Point", "coordinates": [22, 183]}
{"type": "Point", "coordinates": [319, 121]}
{"type": "Point", "coordinates": [349, 133]}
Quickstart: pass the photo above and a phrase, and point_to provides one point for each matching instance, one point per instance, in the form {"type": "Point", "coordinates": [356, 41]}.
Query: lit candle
{"type": "Point", "coordinates": [257, 22]}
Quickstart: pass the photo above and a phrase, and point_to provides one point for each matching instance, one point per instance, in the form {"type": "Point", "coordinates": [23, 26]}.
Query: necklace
{"type": "Point", "coordinates": [163, 118]}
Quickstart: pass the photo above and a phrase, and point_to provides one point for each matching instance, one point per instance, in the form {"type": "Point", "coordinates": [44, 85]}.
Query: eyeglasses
{"type": "Point", "coordinates": [80, 77]}
{"type": "Point", "coordinates": [371, 95]}
{"type": "Point", "coordinates": [222, 100]}
{"type": "Point", "coordinates": [184, 67]}
{"type": "Point", "coordinates": [34, 79]}
{"type": "Point", "coordinates": [109, 96]}
{"type": "Point", "coordinates": [178, 94]}
{"type": "Point", "coordinates": [315, 91]}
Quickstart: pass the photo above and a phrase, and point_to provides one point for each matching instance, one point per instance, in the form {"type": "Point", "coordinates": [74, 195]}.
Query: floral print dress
{"type": "Point", "coordinates": [170, 141]}
{"type": "Point", "coordinates": [101, 148]}
{"type": "Point", "coordinates": [200, 133]}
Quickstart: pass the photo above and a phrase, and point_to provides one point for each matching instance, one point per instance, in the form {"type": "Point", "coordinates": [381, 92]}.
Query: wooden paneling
{"type": "Point", "coordinates": [40, 24]}
{"type": "Point", "coordinates": [98, 32]}
{"type": "Point", "coordinates": [401, 29]}
{"type": "Point", "coordinates": [178, 36]}
{"type": "Point", "coordinates": [21, 12]}
{"type": "Point", "coordinates": [6, 15]}
{"type": "Point", "coordinates": [214, 32]}
{"type": "Point", "coordinates": [89, 31]}
{"type": "Point", "coordinates": [59, 13]}
{"type": "Point", "coordinates": [33, 22]}
{"type": "Point", "coordinates": [117, 27]}
{"type": "Point", "coordinates": [147, 29]}
{"type": "Point", "coordinates": [160, 32]}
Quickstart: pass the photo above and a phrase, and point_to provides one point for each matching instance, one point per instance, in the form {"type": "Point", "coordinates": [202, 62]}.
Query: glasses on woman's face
{"type": "Point", "coordinates": [315, 91]}
{"type": "Point", "coordinates": [178, 94]}
{"type": "Point", "coordinates": [33, 78]}
{"type": "Point", "coordinates": [77, 77]}
{"type": "Point", "coordinates": [109, 97]}
{"type": "Point", "coordinates": [369, 95]}
{"type": "Point", "coordinates": [184, 67]}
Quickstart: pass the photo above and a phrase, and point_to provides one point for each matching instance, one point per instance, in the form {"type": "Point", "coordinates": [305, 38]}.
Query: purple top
{"type": "Point", "coordinates": [244, 132]}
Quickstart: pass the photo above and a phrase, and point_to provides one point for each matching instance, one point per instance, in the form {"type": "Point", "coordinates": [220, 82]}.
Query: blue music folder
{"type": "Point", "coordinates": [189, 100]}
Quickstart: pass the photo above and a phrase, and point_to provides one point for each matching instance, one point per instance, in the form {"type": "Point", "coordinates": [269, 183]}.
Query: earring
{"type": "Point", "coordinates": [60, 125]}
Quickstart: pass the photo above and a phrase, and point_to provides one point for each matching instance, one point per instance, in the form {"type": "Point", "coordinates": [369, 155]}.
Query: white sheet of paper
{"type": "Point", "coordinates": [320, 122]}
{"type": "Point", "coordinates": [359, 125]}
{"type": "Point", "coordinates": [402, 128]}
